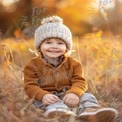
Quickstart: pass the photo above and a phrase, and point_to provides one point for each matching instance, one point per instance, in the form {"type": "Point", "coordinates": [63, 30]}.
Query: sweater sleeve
{"type": "Point", "coordinates": [31, 86]}
{"type": "Point", "coordinates": [79, 85]}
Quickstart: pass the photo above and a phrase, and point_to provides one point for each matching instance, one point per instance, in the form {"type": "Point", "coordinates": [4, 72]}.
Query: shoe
{"type": "Point", "coordinates": [98, 114]}
{"type": "Point", "coordinates": [58, 109]}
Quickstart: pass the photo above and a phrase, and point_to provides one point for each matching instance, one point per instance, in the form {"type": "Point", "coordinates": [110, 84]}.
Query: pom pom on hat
{"type": "Point", "coordinates": [53, 27]}
{"type": "Point", "coordinates": [52, 19]}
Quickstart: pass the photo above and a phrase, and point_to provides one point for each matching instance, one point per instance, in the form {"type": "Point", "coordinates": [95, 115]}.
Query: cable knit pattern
{"type": "Point", "coordinates": [41, 78]}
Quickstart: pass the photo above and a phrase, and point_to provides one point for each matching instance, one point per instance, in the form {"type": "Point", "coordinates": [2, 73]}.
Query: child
{"type": "Point", "coordinates": [55, 80]}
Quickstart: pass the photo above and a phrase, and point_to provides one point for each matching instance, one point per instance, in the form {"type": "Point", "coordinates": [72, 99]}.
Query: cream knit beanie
{"type": "Point", "coordinates": [53, 27]}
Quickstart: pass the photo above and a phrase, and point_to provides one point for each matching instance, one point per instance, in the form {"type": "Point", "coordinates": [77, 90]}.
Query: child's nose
{"type": "Point", "coordinates": [55, 45]}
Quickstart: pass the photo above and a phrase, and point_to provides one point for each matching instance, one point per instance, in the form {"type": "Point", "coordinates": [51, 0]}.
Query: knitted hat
{"type": "Point", "coordinates": [53, 27]}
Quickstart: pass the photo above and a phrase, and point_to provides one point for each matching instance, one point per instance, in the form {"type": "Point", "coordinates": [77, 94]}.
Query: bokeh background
{"type": "Point", "coordinates": [81, 16]}
{"type": "Point", "coordinates": [96, 27]}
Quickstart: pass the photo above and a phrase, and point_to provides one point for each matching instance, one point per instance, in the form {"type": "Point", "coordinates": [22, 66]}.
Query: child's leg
{"type": "Point", "coordinates": [87, 100]}
{"type": "Point", "coordinates": [89, 109]}
{"type": "Point", "coordinates": [56, 109]}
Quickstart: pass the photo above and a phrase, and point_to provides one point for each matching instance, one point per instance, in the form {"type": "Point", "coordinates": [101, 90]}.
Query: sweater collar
{"type": "Point", "coordinates": [61, 60]}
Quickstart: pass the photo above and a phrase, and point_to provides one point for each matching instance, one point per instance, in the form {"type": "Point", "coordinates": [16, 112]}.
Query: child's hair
{"type": "Point", "coordinates": [53, 27]}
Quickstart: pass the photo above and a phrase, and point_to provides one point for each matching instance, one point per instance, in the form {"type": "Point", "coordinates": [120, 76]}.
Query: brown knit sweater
{"type": "Point", "coordinates": [41, 78]}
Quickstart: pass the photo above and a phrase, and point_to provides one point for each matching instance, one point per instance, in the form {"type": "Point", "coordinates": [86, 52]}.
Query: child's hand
{"type": "Point", "coordinates": [71, 100]}
{"type": "Point", "coordinates": [49, 99]}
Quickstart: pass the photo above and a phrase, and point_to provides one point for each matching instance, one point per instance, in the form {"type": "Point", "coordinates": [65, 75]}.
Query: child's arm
{"type": "Point", "coordinates": [79, 85]}
{"type": "Point", "coordinates": [31, 86]}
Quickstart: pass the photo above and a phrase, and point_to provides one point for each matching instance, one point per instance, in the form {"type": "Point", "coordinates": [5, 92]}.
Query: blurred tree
{"type": "Point", "coordinates": [75, 14]}
{"type": "Point", "coordinates": [9, 18]}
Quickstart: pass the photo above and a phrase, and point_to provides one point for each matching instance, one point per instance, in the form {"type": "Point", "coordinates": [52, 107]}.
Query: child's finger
{"type": "Point", "coordinates": [55, 97]}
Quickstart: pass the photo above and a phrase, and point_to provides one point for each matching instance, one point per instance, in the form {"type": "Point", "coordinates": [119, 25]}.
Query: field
{"type": "Point", "coordinates": [100, 57]}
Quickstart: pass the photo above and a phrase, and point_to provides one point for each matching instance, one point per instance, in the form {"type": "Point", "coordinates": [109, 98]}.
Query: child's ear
{"type": "Point", "coordinates": [38, 49]}
{"type": "Point", "coordinates": [67, 50]}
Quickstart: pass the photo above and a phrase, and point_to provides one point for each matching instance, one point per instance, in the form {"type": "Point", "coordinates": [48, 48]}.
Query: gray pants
{"type": "Point", "coordinates": [87, 100]}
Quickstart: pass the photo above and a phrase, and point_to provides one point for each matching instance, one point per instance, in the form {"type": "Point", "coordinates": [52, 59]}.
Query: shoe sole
{"type": "Point", "coordinates": [102, 115]}
{"type": "Point", "coordinates": [58, 112]}
{"type": "Point", "coordinates": [108, 115]}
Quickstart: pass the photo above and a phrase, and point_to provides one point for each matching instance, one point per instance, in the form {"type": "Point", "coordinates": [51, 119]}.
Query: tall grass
{"type": "Point", "coordinates": [101, 60]}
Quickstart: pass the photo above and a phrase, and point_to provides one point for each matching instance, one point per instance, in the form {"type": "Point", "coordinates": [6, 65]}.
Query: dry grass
{"type": "Point", "coordinates": [101, 60]}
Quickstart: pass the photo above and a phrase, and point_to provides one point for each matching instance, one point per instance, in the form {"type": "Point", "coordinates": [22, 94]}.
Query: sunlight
{"type": "Point", "coordinates": [7, 3]}
{"type": "Point", "coordinates": [120, 1]}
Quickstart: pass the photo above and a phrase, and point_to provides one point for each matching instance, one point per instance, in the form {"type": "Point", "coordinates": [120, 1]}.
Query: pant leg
{"type": "Point", "coordinates": [87, 100]}
{"type": "Point", "coordinates": [39, 105]}
{"type": "Point", "coordinates": [58, 105]}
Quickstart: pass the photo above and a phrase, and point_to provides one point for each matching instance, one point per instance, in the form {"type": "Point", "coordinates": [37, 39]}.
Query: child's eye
{"type": "Point", "coordinates": [60, 43]}
{"type": "Point", "coordinates": [48, 42]}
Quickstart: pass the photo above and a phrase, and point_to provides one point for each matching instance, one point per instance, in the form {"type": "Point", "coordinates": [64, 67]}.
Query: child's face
{"type": "Point", "coordinates": [53, 48]}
